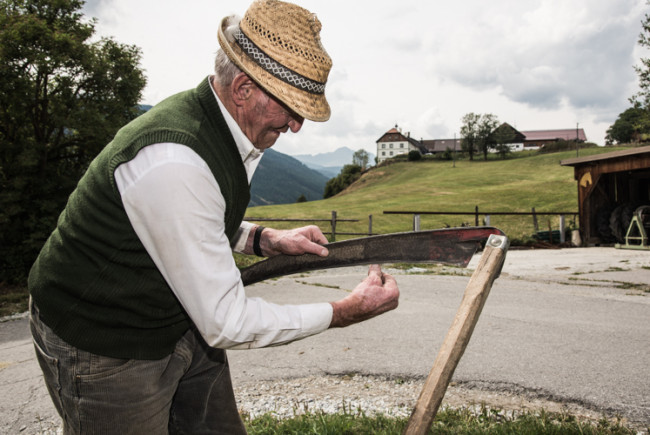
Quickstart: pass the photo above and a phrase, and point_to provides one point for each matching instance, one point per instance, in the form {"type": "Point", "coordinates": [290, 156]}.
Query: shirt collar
{"type": "Point", "coordinates": [246, 149]}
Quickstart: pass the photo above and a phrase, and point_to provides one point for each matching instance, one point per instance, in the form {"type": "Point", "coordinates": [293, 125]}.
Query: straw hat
{"type": "Point", "coordinates": [278, 45]}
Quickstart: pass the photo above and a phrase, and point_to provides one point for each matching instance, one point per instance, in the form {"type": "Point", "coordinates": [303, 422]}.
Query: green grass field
{"type": "Point", "coordinates": [513, 185]}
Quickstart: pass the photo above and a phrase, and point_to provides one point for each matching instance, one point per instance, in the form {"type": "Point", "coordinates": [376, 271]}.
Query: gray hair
{"type": "Point", "coordinates": [225, 69]}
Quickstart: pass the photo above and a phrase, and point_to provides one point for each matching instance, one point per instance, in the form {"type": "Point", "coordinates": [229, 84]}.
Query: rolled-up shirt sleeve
{"type": "Point", "coordinates": [239, 244]}
{"type": "Point", "coordinates": [177, 210]}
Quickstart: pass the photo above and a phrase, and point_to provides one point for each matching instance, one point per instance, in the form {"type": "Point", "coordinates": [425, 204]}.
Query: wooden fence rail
{"type": "Point", "coordinates": [416, 217]}
{"type": "Point", "coordinates": [333, 221]}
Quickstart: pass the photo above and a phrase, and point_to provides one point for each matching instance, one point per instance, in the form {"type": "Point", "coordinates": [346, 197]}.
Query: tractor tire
{"type": "Point", "coordinates": [602, 224]}
{"type": "Point", "coordinates": [621, 218]}
{"type": "Point", "coordinates": [616, 225]}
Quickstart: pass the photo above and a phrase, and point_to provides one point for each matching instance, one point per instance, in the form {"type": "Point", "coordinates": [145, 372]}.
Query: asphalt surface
{"type": "Point", "coordinates": [568, 325]}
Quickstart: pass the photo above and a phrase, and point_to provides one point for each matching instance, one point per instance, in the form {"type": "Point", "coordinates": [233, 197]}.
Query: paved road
{"type": "Point", "coordinates": [570, 325]}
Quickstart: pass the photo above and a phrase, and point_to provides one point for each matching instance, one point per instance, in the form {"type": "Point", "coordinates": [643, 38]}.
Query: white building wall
{"type": "Point", "coordinates": [386, 150]}
{"type": "Point", "coordinates": [514, 147]}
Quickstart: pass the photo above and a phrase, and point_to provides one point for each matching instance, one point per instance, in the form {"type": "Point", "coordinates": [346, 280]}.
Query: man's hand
{"type": "Point", "coordinates": [304, 240]}
{"type": "Point", "coordinates": [375, 295]}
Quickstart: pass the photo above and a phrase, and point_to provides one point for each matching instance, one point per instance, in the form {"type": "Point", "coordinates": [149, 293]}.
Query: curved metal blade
{"type": "Point", "coordinates": [449, 246]}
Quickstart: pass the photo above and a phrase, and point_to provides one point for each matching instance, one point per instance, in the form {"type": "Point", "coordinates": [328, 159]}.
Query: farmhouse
{"type": "Point", "coordinates": [436, 146]}
{"type": "Point", "coordinates": [534, 139]}
{"type": "Point", "coordinates": [394, 143]}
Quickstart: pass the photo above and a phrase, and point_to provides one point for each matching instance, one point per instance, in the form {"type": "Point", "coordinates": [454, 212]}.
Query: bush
{"type": "Point", "coordinates": [447, 155]}
{"type": "Point", "coordinates": [414, 156]}
{"type": "Point", "coordinates": [348, 175]}
{"type": "Point", "coordinates": [564, 145]}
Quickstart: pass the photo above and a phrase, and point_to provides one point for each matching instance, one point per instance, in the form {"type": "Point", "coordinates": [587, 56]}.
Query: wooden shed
{"type": "Point", "coordinates": [610, 187]}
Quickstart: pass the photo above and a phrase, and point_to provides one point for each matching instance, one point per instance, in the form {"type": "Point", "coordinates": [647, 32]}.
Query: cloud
{"type": "Point", "coordinates": [540, 64]}
{"type": "Point", "coordinates": [579, 53]}
{"type": "Point", "coordinates": [91, 7]}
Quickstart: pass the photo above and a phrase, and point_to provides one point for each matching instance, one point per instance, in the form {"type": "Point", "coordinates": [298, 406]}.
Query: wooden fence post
{"type": "Point", "coordinates": [535, 225]}
{"type": "Point", "coordinates": [333, 223]}
{"type": "Point", "coordinates": [416, 222]}
{"type": "Point", "coordinates": [370, 225]}
{"type": "Point", "coordinates": [562, 228]}
{"type": "Point", "coordinates": [476, 216]}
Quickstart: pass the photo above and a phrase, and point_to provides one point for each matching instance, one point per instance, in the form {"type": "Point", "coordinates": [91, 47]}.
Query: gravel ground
{"type": "Point", "coordinates": [380, 395]}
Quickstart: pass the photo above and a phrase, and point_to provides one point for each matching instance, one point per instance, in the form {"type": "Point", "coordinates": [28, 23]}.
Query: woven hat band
{"type": "Point", "coordinates": [276, 69]}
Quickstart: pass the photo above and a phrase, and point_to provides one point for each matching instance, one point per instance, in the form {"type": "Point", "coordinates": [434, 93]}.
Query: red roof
{"type": "Point", "coordinates": [392, 135]}
{"type": "Point", "coordinates": [442, 145]}
{"type": "Point", "coordinates": [563, 134]}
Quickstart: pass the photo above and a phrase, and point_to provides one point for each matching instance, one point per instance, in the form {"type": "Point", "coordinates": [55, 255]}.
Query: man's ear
{"type": "Point", "coordinates": [242, 88]}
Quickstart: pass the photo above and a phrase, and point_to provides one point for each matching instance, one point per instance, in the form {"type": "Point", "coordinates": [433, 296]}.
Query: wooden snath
{"type": "Point", "coordinates": [458, 336]}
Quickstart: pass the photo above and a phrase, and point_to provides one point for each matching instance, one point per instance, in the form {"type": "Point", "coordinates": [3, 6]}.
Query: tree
{"type": "Point", "coordinates": [469, 131]}
{"type": "Point", "coordinates": [348, 175]}
{"type": "Point", "coordinates": [633, 125]}
{"type": "Point", "coordinates": [360, 158]}
{"type": "Point", "coordinates": [414, 156]}
{"type": "Point", "coordinates": [642, 98]}
{"type": "Point", "coordinates": [62, 98]}
{"type": "Point", "coordinates": [476, 130]}
{"type": "Point", "coordinates": [500, 138]}
{"type": "Point", "coordinates": [487, 125]}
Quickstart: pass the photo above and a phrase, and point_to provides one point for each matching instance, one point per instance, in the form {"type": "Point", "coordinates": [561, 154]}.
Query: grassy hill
{"type": "Point", "coordinates": [514, 185]}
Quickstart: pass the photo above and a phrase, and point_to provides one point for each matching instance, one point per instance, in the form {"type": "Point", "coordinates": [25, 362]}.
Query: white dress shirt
{"type": "Point", "coordinates": [177, 210]}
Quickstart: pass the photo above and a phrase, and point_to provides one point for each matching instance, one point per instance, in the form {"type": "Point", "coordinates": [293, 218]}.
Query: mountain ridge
{"type": "Point", "coordinates": [330, 163]}
{"type": "Point", "coordinates": [282, 179]}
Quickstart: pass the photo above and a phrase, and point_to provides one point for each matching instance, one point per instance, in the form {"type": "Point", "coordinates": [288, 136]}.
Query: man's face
{"type": "Point", "coordinates": [267, 118]}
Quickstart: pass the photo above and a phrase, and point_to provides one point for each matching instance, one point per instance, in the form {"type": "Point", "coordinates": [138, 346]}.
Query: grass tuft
{"type": "Point", "coordinates": [479, 420]}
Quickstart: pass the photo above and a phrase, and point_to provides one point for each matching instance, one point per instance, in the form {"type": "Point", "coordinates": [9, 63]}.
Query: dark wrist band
{"type": "Point", "coordinates": [256, 241]}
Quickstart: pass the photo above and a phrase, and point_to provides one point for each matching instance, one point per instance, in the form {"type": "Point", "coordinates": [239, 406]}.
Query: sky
{"type": "Point", "coordinates": [421, 65]}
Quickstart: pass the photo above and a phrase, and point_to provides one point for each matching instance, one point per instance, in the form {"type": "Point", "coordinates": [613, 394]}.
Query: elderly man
{"type": "Point", "coordinates": [135, 294]}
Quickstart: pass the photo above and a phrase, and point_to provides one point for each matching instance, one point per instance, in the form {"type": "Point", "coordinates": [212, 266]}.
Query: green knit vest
{"type": "Point", "coordinates": [93, 282]}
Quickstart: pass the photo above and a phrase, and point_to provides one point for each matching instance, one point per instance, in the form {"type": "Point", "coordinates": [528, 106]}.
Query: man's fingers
{"type": "Point", "coordinates": [374, 268]}
{"type": "Point", "coordinates": [304, 240]}
{"type": "Point", "coordinates": [318, 239]}
{"type": "Point", "coordinates": [389, 281]}
{"type": "Point", "coordinates": [375, 295]}
{"type": "Point", "coordinates": [317, 235]}
{"type": "Point", "coordinates": [374, 271]}
{"type": "Point", "coordinates": [315, 248]}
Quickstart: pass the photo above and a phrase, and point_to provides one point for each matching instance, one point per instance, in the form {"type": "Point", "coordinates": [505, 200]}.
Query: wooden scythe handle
{"type": "Point", "coordinates": [458, 336]}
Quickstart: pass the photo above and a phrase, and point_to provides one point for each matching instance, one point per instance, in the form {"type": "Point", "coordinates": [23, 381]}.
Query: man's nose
{"type": "Point", "coordinates": [295, 123]}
